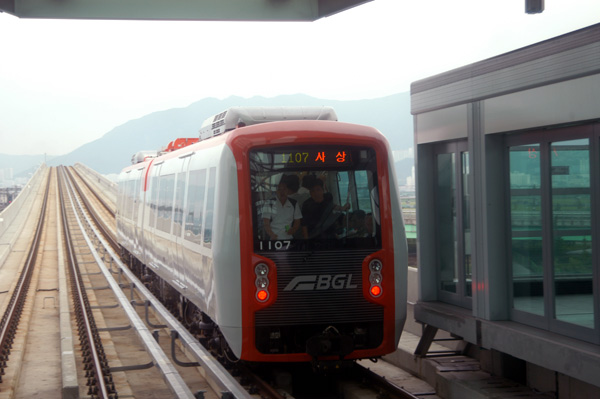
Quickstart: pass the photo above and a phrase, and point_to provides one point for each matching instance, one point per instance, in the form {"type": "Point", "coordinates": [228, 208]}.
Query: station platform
{"type": "Point", "coordinates": [456, 376]}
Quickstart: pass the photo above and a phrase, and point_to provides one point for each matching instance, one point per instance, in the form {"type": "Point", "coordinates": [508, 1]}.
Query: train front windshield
{"type": "Point", "coordinates": [315, 198]}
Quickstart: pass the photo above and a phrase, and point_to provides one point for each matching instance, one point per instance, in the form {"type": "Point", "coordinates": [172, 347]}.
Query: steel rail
{"type": "Point", "coordinates": [167, 369]}
{"type": "Point", "coordinates": [10, 319]}
{"type": "Point", "coordinates": [83, 310]}
{"type": "Point", "coordinates": [98, 221]}
{"type": "Point", "coordinates": [217, 376]}
{"type": "Point", "coordinates": [100, 199]}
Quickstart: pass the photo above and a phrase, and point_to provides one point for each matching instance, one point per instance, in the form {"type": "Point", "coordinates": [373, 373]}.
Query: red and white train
{"type": "Point", "coordinates": [195, 217]}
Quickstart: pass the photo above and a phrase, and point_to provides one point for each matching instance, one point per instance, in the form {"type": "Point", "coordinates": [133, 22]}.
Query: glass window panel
{"type": "Point", "coordinates": [134, 198]}
{"type": "Point", "coordinates": [165, 202]}
{"type": "Point", "coordinates": [526, 227]}
{"type": "Point", "coordinates": [334, 188]}
{"type": "Point", "coordinates": [571, 232]}
{"type": "Point", "coordinates": [153, 201]}
{"type": "Point", "coordinates": [466, 225]}
{"type": "Point", "coordinates": [178, 209]}
{"type": "Point", "coordinates": [195, 205]}
{"type": "Point", "coordinates": [125, 200]}
{"type": "Point", "coordinates": [446, 221]}
{"type": "Point", "coordinates": [131, 198]}
{"type": "Point", "coordinates": [363, 189]}
{"type": "Point", "coordinates": [343, 186]}
{"type": "Point", "coordinates": [210, 207]}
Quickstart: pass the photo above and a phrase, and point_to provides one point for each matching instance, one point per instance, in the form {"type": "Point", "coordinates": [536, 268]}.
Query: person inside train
{"type": "Point", "coordinates": [299, 193]}
{"type": "Point", "coordinates": [319, 214]}
{"type": "Point", "coordinates": [358, 226]}
{"type": "Point", "coordinates": [281, 215]}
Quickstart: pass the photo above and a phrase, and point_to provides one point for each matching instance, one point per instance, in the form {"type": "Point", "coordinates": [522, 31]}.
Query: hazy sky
{"type": "Point", "coordinates": [64, 83]}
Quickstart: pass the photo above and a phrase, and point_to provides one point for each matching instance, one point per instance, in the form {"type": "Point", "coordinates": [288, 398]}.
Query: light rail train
{"type": "Point", "coordinates": [278, 236]}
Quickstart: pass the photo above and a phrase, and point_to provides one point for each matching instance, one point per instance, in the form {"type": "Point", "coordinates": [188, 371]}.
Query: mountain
{"type": "Point", "coordinates": [113, 151]}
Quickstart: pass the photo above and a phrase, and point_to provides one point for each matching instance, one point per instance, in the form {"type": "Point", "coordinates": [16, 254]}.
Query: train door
{"type": "Point", "coordinates": [179, 270]}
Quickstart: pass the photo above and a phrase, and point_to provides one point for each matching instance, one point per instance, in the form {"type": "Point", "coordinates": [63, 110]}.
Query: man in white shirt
{"type": "Point", "coordinates": [281, 215]}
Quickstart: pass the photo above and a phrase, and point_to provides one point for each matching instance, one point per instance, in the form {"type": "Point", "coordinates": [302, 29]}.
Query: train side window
{"type": "Point", "coordinates": [134, 198]}
{"type": "Point", "coordinates": [178, 207]}
{"type": "Point", "coordinates": [195, 206]}
{"type": "Point", "coordinates": [210, 207]}
{"type": "Point", "coordinates": [130, 196]}
{"type": "Point", "coordinates": [120, 198]}
{"type": "Point", "coordinates": [124, 185]}
{"type": "Point", "coordinates": [165, 202]}
{"type": "Point", "coordinates": [153, 197]}
{"type": "Point", "coordinates": [153, 201]}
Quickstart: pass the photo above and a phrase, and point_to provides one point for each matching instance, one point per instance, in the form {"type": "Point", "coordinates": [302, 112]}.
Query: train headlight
{"type": "Point", "coordinates": [375, 278]}
{"type": "Point", "coordinates": [261, 269]}
{"type": "Point", "coordinates": [375, 265]}
{"type": "Point", "coordinates": [262, 282]}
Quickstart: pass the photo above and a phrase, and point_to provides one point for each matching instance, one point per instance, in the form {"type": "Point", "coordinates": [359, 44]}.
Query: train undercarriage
{"type": "Point", "coordinates": [197, 322]}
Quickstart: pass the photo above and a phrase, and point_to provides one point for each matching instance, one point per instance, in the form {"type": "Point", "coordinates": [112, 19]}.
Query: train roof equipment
{"type": "Point", "coordinates": [141, 156]}
{"type": "Point", "coordinates": [180, 143]}
{"type": "Point", "coordinates": [235, 117]}
{"type": "Point", "coordinates": [176, 144]}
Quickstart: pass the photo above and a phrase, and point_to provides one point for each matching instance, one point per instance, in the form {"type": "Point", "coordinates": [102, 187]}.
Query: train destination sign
{"type": "Point", "coordinates": [315, 156]}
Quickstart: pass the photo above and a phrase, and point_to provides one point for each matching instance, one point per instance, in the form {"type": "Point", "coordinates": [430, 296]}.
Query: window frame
{"type": "Point", "coordinates": [458, 298]}
{"type": "Point", "coordinates": [545, 139]}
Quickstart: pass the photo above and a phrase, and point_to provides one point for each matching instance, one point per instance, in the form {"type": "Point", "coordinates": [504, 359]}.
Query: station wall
{"type": "Point", "coordinates": [508, 204]}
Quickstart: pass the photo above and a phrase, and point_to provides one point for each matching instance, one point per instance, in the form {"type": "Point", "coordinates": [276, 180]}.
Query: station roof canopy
{"type": "Point", "coordinates": [203, 10]}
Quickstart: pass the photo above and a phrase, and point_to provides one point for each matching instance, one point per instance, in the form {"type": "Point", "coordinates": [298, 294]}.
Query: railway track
{"type": "Point", "coordinates": [131, 344]}
{"type": "Point", "coordinates": [100, 378]}
{"type": "Point", "coordinates": [12, 315]}
{"type": "Point", "coordinates": [98, 372]}
{"type": "Point", "coordinates": [253, 382]}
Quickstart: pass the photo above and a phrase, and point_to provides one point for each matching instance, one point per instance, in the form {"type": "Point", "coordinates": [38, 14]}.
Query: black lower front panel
{"type": "Point", "coordinates": [320, 307]}
{"type": "Point", "coordinates": [319, 340]}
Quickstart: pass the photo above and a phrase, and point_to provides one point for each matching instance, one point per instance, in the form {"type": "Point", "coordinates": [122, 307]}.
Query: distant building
{"type": "Point", "coordinates": [410, 180]}
{"type": "Point", "coordinates": [399, 155]}
{"type": "Point", "coordinates": [7, 195]}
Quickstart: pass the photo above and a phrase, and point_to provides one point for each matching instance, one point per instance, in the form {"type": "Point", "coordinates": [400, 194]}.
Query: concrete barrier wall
{"type": "Point", "coordinates": [21, 206]}
{"type": "Point", "coordinates": [105, 185]}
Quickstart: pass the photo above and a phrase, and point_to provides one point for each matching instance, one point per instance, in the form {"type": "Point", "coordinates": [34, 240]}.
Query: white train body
{"type": "Point", "coordinates": [187, 264]}
{"type": "Point", "coordinates": [188, 216]}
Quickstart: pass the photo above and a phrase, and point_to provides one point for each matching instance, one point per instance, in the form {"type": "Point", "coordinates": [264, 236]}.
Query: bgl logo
{"type": "Point", "coordinates": [321, 282]}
